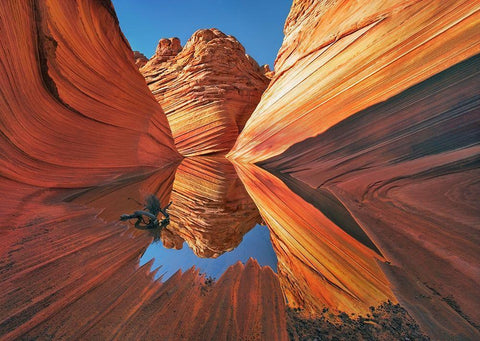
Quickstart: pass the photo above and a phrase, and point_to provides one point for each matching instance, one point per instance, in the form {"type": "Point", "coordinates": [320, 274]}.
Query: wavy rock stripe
{"type": "Point", "coordinates": [74, 110]}
{"type": "Point", "coordinates": [66, 274]}
{"type": "Point", "coordinates": [319, 264]}
{"type": "Point", "coordinates": [407, 169]}
{"type": "Point", "coordinates": [208, 89]}
{"type": "Point", "coordinates": [341, 57]}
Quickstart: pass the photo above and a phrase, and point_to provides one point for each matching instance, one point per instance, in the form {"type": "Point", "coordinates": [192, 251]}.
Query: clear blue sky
{"type": "Point", "coordinates": [257, 24]}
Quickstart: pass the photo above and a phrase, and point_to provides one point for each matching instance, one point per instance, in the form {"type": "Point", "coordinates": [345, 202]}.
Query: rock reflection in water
{"type": "Point", "coordinates": [319, 263]}
{"type": "Point", "coordinates": [256, 244]}
{"type": "Point", "coordinates": [324, 257]}
{"type": "Point", "coordinates": [211, 209]}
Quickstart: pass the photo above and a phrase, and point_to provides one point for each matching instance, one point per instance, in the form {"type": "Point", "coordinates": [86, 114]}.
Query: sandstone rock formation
{"type": "Point", "coordinates": [362, 157]}
{"type": "Point", "coordinates": [140, 59]}
{"type": "Point", "coordinates": [267, 72]}
{"type": "Point", "coordinates": [74, 109]}
{"type": "Point", "coordinates": [166, 50]}
{"type": "Point", "coordinates": [338, 58]}
{"type": "Point", "coordinates": [76, 113]}
{"type": "Point", "coordinates": [378, 106]}
{"type": "Point", "coordinates": [320, 262]}
{"type": "Point", "coordinates": [211, 209]}
{"type": "Point", "coordinates": [208, 89]}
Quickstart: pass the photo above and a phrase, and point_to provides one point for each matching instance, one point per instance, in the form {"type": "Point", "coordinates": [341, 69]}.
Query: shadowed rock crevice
{"type": "Point", "coordinates": [330, 206]}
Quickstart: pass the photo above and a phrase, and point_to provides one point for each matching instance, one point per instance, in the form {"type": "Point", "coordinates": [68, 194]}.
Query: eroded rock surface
{"type": "Point", "coordinates": [140, 59]}
{"type": "Point", "coordinates": [208, 89]}
{"type": "Point", "coordinates": [74, 109]}
{"type": "Point", "coordinates": [378, 106]}
{"type": "Point", "coordinates": [65, 273]}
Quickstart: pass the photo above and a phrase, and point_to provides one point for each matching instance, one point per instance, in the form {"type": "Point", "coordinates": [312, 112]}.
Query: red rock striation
{"type": "Point", "coordinates": [211, 210]}
{"type": "Point", "coordinates": [419, 165]}
{"type": "Point", "coordinates": [75, 112]}
{"type": "Point", "coordinates": [377, 106]}
{"type": "Point", "coordinates": [341, 57]}
{"type": "Point", "coordinates": [321, 262]}
{"type": "Point", "coordinates": [208, 89]}
{"type": "Point", "coordinates": [74, 109]}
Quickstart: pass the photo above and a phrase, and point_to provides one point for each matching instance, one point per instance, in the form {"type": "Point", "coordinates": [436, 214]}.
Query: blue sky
{"type": "Point", "coordinates": [257, 24]}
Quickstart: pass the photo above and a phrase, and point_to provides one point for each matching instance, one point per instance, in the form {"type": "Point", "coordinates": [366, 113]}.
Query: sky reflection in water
{"type": "Point", "coordinates": [256, 244]}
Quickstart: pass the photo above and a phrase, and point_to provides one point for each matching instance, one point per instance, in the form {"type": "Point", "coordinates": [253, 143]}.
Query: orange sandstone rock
{"type": "Point", "coordinates": [208, 89]}
{"type": "Point", "coordinates": [74, 109]}
{"type": "Point", "coordinates": [167, 49]}
{"type": "Point", "coordinates": [140, 59]}
{"type": "Point", "coordinates": [67, 274]}
{"type": "Point", "coordinates": [377, 105]}
{"type": "Point", "coordinates": [341, 57]}
{"type": "Point", "coordinates": [320, 262]}
{"type": "Point", "coordinates": [211, 209]}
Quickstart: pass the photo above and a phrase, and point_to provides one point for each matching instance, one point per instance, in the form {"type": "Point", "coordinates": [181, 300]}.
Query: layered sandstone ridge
{"type": "Point", "coordinates": [338, 58]}
{"type": "Point", "coordinates": [74, 109]}
{"type": "Point", "coordinates": [208, 89]}
{"type": "Point", "coordinates": [321, 262]}
{"type": "Point", "coordinates": [374, 108]}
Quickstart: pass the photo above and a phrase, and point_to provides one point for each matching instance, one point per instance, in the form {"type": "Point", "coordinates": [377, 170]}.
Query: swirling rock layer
{"type": "Point", "coordinates": [377, 106]}
{"type": "Point", "coordinates": [74, 109]}
{"type": "Point", "coordinates": [208, 89]}
{"type": "Point", "coordinates": [320, 263]}
{"type": "Point", "coordinates": [341, 57]}
{"type": "Point", "coordinates": [75, 112]}
{"type": "Point", "coordinates": [211, 209]}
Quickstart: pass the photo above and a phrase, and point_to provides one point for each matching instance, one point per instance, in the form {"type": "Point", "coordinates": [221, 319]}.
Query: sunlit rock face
{"type": "Point", "coordinates": [377, 105]}
{"type": "Point", "coordinates": [211, 210]}
{"type": "Point", "coordinates": [340, 57]}
{"type": "Point", "coordinates": [321, 262]}
{"type": "Point", "coordinates": [208, 89]}
{"type": "Point", "coordinates": [74, 109]}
